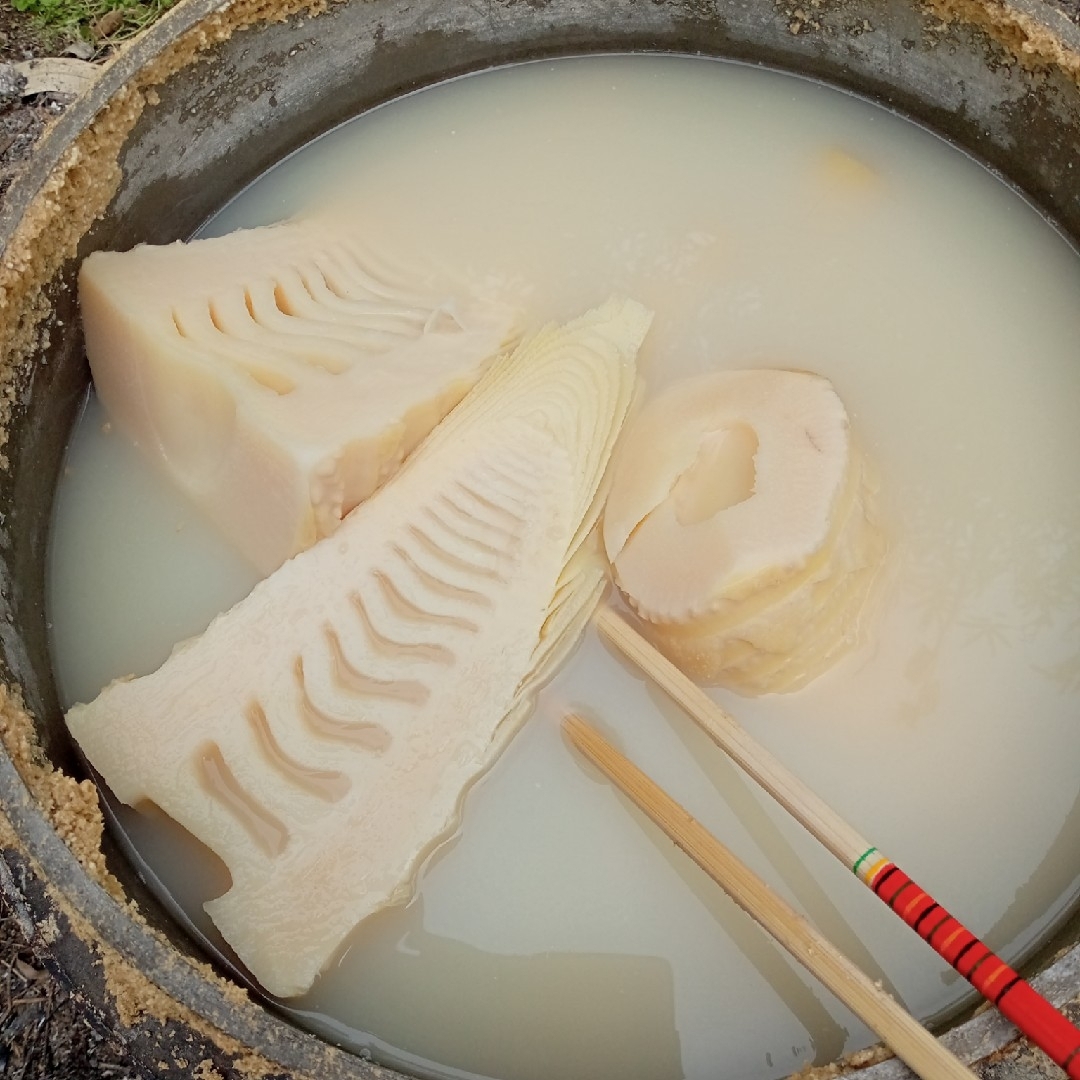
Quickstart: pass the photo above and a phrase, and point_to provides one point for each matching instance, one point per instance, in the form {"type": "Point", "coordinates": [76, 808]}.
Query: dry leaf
{"type": "Point", "coordinates": [57, 75]}
{"type": "Point", "coordinates": [81, 49]}
{"type": "Point", "coordinates": [108, 24]}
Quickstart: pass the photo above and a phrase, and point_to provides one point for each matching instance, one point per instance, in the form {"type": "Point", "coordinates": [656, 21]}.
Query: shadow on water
{"type": "Point", "coordinates": [1055, 876]}
{"type": "Point", "coordinates": [443, 1008]}
{"type": "Point", "coordinates": [737, 792]}
{"type": "Point", "coordinates": [825, 1035]}
{"type": "Point", "coordinates": [518, 1017]}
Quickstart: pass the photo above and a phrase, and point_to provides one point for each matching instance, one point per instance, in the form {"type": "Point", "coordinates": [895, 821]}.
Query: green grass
{"type": "Point", "coordinates": [82, 18]}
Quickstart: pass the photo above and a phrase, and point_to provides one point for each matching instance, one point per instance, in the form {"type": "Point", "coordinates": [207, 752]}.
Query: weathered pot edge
{"type": "Point", "coordinates": [181, 38]}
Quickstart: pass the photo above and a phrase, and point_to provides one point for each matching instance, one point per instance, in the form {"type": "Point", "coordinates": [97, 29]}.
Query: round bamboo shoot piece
{"type": "Point", "coordinates": [740, 527]}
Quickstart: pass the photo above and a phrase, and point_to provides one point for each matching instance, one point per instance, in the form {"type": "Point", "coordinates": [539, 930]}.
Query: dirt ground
{"type": "Point", "coordinates": [21, 120]}
{"type": "Point", "coordinates": [43, 1033]}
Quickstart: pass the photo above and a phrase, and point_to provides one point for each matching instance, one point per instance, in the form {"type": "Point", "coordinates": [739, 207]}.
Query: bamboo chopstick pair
{"type": "Point", "coordinates": [995, 980]}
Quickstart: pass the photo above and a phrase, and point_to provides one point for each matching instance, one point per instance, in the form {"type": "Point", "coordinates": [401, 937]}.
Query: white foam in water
{"type": "Point", "coordinates": [772, 222]}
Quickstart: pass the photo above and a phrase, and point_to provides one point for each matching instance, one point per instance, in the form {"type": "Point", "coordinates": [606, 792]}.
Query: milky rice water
{"type": "Point", "coordinates": [769, 222]}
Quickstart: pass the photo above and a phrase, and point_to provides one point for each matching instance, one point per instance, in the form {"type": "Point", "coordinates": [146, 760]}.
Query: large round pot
{"type": "Point", "coordinates": [208, 99]}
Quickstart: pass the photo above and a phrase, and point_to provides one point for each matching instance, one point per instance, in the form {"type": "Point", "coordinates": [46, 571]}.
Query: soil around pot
{"type": "Point", "coordinates": [22, 120]}
{"type": "Point", "coordinates": [45, 1033]}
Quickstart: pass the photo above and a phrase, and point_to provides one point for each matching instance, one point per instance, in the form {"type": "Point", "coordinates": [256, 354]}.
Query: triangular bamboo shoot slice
{"type": "Point", "coordinates": [276, 376]}
{"type": "Point", "coordinates": [320, 735]}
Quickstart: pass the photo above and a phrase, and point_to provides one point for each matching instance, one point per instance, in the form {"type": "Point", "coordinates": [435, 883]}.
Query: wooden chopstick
{"type": "Point", "coordinates": [1045, 1026]}
{"type": "Point", "coordinates": [908, 1039]}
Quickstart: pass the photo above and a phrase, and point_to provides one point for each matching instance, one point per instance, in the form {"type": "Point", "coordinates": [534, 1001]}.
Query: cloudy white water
{"type": "Point", "coordinates": [769, 222]}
